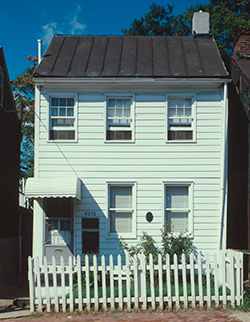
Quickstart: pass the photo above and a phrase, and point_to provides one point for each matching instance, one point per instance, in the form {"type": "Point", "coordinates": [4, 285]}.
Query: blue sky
{"type": "Point", "coordinates": [23, 22]}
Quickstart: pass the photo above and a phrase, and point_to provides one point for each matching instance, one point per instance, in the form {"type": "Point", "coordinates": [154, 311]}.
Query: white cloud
{"type": "Point", "coordinates": [75, 25]}
{"type": "Point", "coordinates": [49, 30]}
{"type": "Point", "coordinates": [71, 25]}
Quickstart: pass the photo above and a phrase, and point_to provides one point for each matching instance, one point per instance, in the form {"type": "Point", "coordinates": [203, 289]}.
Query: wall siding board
{"type": "Point", "coordinates": [148, 161]}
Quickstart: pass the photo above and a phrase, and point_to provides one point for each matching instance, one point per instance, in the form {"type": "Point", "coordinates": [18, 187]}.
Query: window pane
{"type": "Point", "coordinates": [62, 101]}
{"type": "Point", "coordinates": [65, 225]}
{"type": "Point", "coordinates": [88, 223]}
{"type": "Point", "coordinates": [177, 197]}
{"type": "Point", "coordinates": [70, 111]}
{"type": "Point", "coordinates": [121, 197]}
{"type": "Point", "coordinates": [60, 122]}
{"type": "Point", "coordinates": [62, 111]}
{"type": "Point", "coordinates": [180, 111]}
{"type": "Point", "coordinates": [178, 221]}
{"type": "Point", "coordinates": [69, 122]}
{"type": "Point", "coordinates": [120, 222]}
{"type": "Point", "coordinates": [127, 102]}
{"type": "Point", "coordinates": [54, 111]}
{"type": "Point", "coordinates": [111, 102]}
{"type": "Point", "coordinates": [54, 101]}
{"type": "Point", "coordinates": [70, 102]}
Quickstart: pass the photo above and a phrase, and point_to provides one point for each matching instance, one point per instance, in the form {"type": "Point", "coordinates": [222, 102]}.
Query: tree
{"type": "Point", "coordinates": [227, 18]}
{"type": "Point", "coordinates": [24, 92]}
{"type": "Point", "coordinates": [157, 21]}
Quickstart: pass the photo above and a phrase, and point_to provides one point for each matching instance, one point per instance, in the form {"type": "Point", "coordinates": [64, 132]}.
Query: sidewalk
{"type": "Point", "coordinates": [187, 316]}
{"type": "Point", "coordinates": [14, 302]}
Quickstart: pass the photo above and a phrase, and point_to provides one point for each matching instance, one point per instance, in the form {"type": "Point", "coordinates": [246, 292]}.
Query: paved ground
{"type": "Point", "coordinates": [187, 316]}
{"type": "Point", "coordinates": [16, 313]}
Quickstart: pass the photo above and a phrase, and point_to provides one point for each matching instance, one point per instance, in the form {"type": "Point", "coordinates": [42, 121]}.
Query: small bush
{"type": "Point", "coordinates": [171, 244]}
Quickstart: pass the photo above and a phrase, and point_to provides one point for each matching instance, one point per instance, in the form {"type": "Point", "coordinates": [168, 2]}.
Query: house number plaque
{"type": "Point", "coordinates": [90, 213]}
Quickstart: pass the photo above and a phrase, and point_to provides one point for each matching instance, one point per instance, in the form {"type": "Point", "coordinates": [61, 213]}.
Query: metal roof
{"type": "Point", "coordinates": [131, 56]}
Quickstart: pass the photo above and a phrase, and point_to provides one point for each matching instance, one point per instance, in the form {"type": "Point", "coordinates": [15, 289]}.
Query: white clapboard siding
{"type": "Point", "coordinates": [196, 281]}
{"type": "Point", "coordinates": [149, 160]}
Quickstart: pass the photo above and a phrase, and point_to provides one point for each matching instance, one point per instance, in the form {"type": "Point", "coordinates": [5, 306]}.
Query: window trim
{"type": "Point", "coordinates": [65, 95]}
{"type": "Point", "coordinates": [194, 117]}
{"type": "Point", "coordinates": [129, 183]}
{"type": "Point", "coordinates": [180, 183]}
{"type": "Point", "coordinates": [112, 95]}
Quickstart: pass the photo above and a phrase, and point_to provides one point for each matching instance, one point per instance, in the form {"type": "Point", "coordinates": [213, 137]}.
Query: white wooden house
{"type": "Point", "coordinates": [127, 125]}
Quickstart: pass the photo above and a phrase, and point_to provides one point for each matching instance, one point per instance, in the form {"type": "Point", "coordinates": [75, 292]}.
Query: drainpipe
{"type": "Point", "coordinates": [39, 50]}
{"type": "Point", "coordinates": [224, 170]}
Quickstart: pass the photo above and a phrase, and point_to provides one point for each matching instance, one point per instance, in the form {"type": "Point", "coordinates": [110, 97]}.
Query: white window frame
{"type": "Point", "coordinates": [179, 183]}
{"type": "Point", "coordinates": [132, 184]}
{"type": "Point", "coordinates": [75, 127]}
{"type": "Point", "coordinates": [132, 113]}
{"type": "Point", "coordinates": [193, 116]}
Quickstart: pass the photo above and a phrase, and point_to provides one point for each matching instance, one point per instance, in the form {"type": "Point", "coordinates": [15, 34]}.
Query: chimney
{"type": "Point", "coordinates": [200, 23]}
{"type": "Point", "coordinates": [242, 43]}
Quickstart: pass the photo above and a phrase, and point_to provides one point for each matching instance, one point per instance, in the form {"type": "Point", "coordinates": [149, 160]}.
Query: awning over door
{"type": "Point", "coordinates": [53, 188]}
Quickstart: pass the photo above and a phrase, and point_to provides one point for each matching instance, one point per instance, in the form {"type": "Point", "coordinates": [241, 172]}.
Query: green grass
{"type": "Point", "coordinates": [165, 291]}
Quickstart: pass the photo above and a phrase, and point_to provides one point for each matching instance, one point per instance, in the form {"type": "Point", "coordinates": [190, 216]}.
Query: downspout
{"type": "Point", "coordinates": [224, 170]}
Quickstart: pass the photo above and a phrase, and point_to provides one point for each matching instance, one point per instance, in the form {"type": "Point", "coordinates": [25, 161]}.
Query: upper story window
{"type": "Point", "coordinates": [62, 118]}
{"type": "Point", "coordinates": [181, 119]}
{"type": "Point", "coordinates": [1, 85]}
{"type": "Point", "coordinates": [120, 119]}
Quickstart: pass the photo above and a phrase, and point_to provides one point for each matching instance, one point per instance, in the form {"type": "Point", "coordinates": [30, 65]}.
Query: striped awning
{"type": "Point", "coordinates": [53, 188]}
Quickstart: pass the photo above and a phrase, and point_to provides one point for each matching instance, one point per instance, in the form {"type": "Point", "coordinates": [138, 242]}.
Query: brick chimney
{"type": "Point", "coordinates": [242, 43]}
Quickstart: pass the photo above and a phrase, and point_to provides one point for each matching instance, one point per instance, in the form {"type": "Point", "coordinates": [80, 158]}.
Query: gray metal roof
{"type": "Point", "coordinates": [131, 56]}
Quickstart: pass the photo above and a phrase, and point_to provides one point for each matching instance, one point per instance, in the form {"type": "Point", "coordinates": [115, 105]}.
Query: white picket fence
{"type": "Point", "coordinates": [192, 282]}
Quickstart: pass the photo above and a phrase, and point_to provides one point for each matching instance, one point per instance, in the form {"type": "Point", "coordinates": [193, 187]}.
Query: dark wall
{"type": "Point", "coordinates": [10, 136]}
{"type": "Point", "coordinates": [237, 173]}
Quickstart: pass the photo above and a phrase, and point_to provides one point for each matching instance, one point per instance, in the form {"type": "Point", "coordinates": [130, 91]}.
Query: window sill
{"type": "Point", "coordinates": [62, 141]}
{"type": "Point", "coordinates": [119, 141]}
{"type": "Point", "coordinates": [180, 141]}
{"type": "Point", "coordinates": [118, 236]}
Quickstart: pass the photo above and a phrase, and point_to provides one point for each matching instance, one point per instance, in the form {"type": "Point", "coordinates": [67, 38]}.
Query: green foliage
{"type": "Point", "coordinates": [157, 21]}
{"type": "Point", "coordinates": [227, 18]}
{"type": "Point", "coordinates": [171, 244]}
{"type": "Point", "coordinates": [24, 92]}
{"type": "Point", "coordinates": [246, 300]}
{"type": "Point", "coordinates": [176, 244]}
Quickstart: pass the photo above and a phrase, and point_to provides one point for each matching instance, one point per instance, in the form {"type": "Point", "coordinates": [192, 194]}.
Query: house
{"type": "Point", "coordinates": [10, 138]}
{"type": "Point", "coordinates": [239, 116]}
{"type": "Point", "coordinates": [130, 134]}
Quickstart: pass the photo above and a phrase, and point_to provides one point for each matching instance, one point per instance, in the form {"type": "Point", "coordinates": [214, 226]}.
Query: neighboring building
{"type": "Point", "coordinates": [10, 138]}
{"type": "Point", "coordinates": [239, 148]}
{"type": "Point", "coordinates": [128, 125]}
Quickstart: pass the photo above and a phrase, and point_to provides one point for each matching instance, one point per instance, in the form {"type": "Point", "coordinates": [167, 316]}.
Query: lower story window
{"type": "Point", "coordinates": [120, 209]}
{"type": "Point", "coordinates": [177, 208]}
{"type": "Point", "coordinates": [59, 217]}
{"type": "Point", "coordinates": [90, 235]}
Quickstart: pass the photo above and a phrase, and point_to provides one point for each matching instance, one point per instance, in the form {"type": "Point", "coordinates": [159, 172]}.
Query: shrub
{"type": "Point", "coordinates": [171, 244]}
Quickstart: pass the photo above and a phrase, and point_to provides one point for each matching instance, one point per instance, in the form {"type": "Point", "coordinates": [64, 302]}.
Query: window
{"type": "Point", "coordinates": [1, 85]}
{"type": "Point", "coordinates": [119, 119]}
{"type": "Point", "coordinates": [62, 118]}
{"type": "Point", "coordinates": [90, 235]}
{"type": "Point", "coordinates": [59, 214]}
{"type": "Point", "coordinates": [178, 207]}
{"type": "Point", "coordinates": [181, 111]}
{"type": "Point", "coordinates": [121, 209]}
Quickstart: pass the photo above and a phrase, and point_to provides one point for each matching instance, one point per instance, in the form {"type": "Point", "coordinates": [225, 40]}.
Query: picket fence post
{"type": "Point", "coordinates": [31, 284]}
{"type": "Point", "coordinates": [64, 304]}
